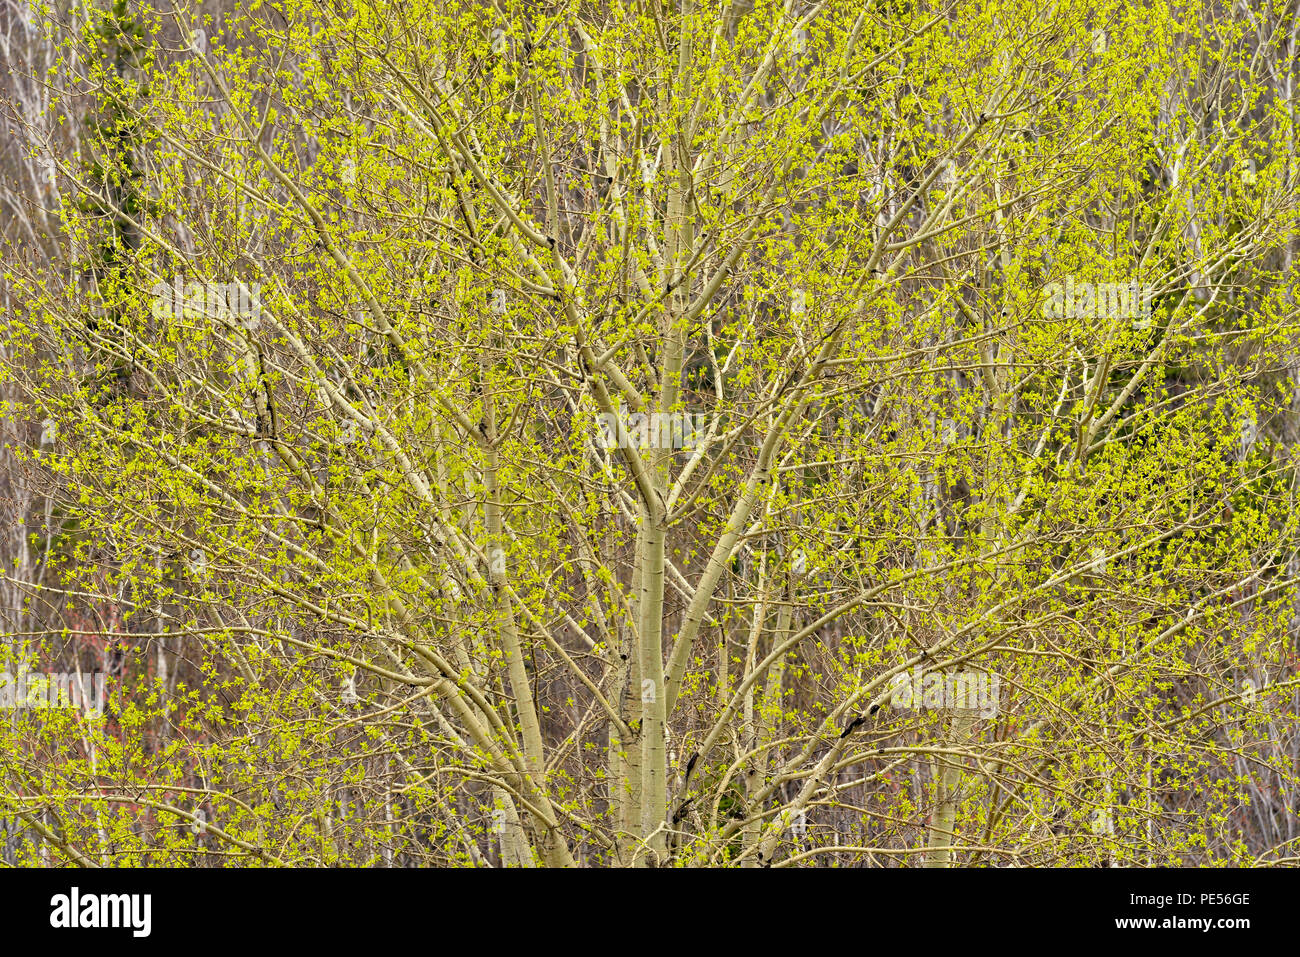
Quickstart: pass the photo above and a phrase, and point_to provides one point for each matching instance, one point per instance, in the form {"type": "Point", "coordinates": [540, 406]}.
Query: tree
{"type": "Point", "coordinates": [625, 435]}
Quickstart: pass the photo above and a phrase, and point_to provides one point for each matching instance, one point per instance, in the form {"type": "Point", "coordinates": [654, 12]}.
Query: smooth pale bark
{"type": "Point", "coordinates": [948, 795]}
{"type": "Point", "coordinates": [628, 753]}
{"type": "Point", "coordinates": [763, 724]}
{"type": "Point", "coordinates": [654, 695]}
{"type": "Point", "coordinates": [750, 734]}
{"type": "Point", "coordinates": [654, 788]}
{"type": "Point", "coordinates": [514, 840]}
